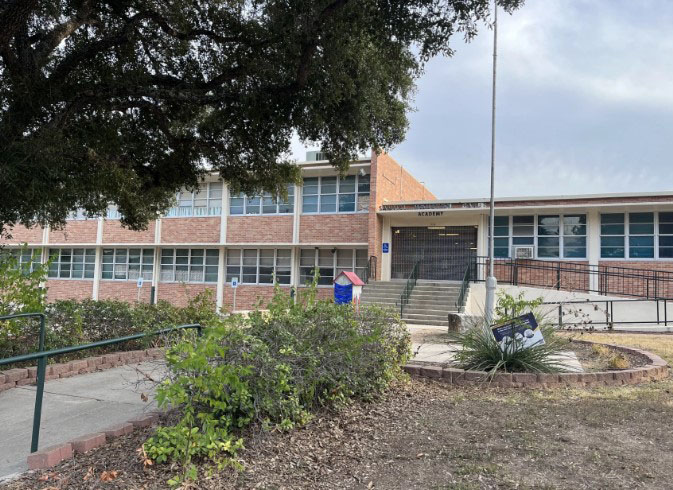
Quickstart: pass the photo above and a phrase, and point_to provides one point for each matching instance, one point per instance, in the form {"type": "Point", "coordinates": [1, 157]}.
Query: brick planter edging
{"type": "Point", "coordinates": [656, 369]}
{"type": "Point", "coordinates": [51, 456]}
{"type": "Point", "coordinates": [27, 376]}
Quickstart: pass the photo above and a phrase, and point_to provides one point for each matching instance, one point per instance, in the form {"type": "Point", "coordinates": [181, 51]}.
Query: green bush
{"type": "Point", "coordinates": [479, 350]}
{"type": "Point", "coordinates": [274, 368]}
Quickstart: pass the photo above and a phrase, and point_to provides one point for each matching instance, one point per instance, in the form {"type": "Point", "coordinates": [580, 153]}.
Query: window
{"type": "Point", "coordinates": [127, 264]}
{"type": "Point", "coordinates": [501, 238]}
{"type": "Point", "coordinates": [329, 264]}
{"type": "Point", "coordinates": [523, 230]}
{"type": "Point", "coordinates": [666, 235]}
{"type": "Point", "coordinates": [27, 259]}
{"type": "Point", "coordinates": [263, 266]}
{"type": "Point", "coordinates": [548, 236]}
{"type": "Point", "coordinates": [575, 236]}
{"type": "Point", "coordinates": [77, 215]}
{"type": "Point", "coordinates": [612, 235]}
{"type": "Point", "coordinates": [189, 265]}
{"type": "Point", "coordinates": [205, 201]}
{"type": "Point", "coordinates": [72, 263]}
{"type": "Point", "coordinates": [113, 212]}
{"type": "Point", "coordinates": [641, 235]}
{"type": "Point", "coordinates": [333, 195]}
{"type": "Point", "coordinates": [265, 204]}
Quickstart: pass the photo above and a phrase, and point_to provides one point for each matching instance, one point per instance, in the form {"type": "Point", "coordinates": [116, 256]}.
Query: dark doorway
{"type": "Point", "coordinates": [444, 251]}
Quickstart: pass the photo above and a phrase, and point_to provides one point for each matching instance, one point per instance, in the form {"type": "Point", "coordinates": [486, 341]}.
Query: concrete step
{"type": "Point", "coordinates": [427, 321]}
{"type": "Point", "coordinates": [422, 318]}
{"type": "Point", "coordinates": [410, 310]}
{"type": "Point", "coordinates": [429, 303]}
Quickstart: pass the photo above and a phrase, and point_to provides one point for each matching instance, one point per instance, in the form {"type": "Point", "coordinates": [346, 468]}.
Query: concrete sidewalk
{"type": "Point", "coordinates": [73, 407]}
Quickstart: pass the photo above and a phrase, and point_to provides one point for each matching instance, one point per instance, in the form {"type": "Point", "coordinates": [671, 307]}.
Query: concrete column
{"type": "Point", "coordinates": [593, 245]}
{"type": "Point", "coordinates": [224, 217]}
{"type": "Point", "coordinates": [156, 270]}
{"type": "Point", "coordinates": [296, 216]}
{"type": "Point", "coordinates": [221, 279]}
{"type": "Point", "coordinates": [99, 258]}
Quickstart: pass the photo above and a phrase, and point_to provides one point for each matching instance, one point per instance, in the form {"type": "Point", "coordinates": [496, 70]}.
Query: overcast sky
{"type": "Point", "coordinates": [585, 104]}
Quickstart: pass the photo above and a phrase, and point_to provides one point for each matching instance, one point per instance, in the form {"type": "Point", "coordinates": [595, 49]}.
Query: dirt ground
{"type": "Point", "coordinates": [424, 435]}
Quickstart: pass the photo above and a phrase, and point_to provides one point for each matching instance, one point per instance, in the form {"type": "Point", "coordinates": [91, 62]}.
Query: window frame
{"type": "Point", "coordinates": [357, 192]}
{"type": "Point", "coordinates": [657, 256]}
{"type": "Point", "coordinates": [306, 278]}
{"type": "Point", "coordinates": [142, 265]}
{"type": "Point", "coordinates": [189, 264]}
{"type": "Point", "coordinates": [26, 266]}
{"type": "Point", "coordinates": [277, 201]}
{"type": "Point", "coordinates": [174, 211]}
{"type": "Point", "coordinates": [58, 262]}
{"type": "Point", "coordinates": [240, 253]}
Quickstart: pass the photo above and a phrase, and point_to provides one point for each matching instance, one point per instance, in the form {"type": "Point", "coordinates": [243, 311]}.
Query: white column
{"type": "Point", "coordinates": [297, 213]}
{"type": "Point", "coordinates": [593, 245]}
{"type": "Point", "coordinates": [156, 270]}
{"type": "Point", "coordinates": [221, 277]}
{"type": "Point", "coordinates": [99, 258]}
{"type": "Point", "coordinates": [386, 259]}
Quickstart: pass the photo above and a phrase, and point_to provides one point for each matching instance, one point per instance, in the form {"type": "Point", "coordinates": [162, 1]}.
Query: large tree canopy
{"type": "Point", "coordinates": [126, 101]}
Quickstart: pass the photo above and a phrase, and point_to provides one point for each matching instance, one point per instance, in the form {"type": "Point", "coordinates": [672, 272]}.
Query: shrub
{"type": "Point", "coordinates": [274, 369]}
{"type": "Point", "coordinates": [479, 350]}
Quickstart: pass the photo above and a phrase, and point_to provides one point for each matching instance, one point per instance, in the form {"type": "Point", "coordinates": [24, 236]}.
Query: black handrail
{"type": "Point", "coordinates": [409, 287]}
{"type": "Point", "coordinates": [460, 302]}
{"type": "Point", "coordinates": [662, 313]}
{"type": "Point", "coordinates": [582, 277]}
{"type": "Point", "coordinates": [43, 355]}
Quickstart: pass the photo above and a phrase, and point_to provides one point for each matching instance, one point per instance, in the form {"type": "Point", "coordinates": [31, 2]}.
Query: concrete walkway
{"type": "Point", "coordinates": [72, 407]}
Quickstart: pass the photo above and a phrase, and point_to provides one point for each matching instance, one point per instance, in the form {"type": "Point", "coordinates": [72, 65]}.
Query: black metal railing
{"type": "Point", "coordinates": [409, 287]}
{"type": "Point", "coordinates": [41, 357]}
{"type": "Point", "coordinates": [579, 277]}
{"type": "Point", "coordinates": [657, 314]}
{"type": "Point", "coordinates": [464, 286]}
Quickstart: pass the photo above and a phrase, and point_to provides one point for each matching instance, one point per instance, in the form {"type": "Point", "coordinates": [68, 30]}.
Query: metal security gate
{"type": "Point", "coordinates": [444, 251]}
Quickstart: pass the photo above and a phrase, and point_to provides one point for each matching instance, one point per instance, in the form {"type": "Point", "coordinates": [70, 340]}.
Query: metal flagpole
{"type": "Point", "coordinates": [491, 282]}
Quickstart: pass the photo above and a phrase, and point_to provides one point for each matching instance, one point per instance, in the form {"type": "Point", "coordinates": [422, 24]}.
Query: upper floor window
{"type": "Point", "coordinates": [264, 204]}
{"type": "Point", "coordinates": [72, 263]}
{"type": "Point", "coordinates": [205, 201]}
{"type": "Point", "coordinates": [113, 212]}
{"type": "Point", "coordinates": [263, 266]}
{"type": "Point", "coordinates": [189, 265]}
{"type": "Point", "coordinates": [334, 195]}
{"type": "Point", "coordinates": [127, 264]}
{"type": "Point", "coordinates": [77, 214]}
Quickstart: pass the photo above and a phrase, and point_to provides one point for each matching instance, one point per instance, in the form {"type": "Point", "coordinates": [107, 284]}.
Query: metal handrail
{"type": "Point", "coordinates": [662, 313]}
{"type": "Point", "coordinates": [43, 355]}
{"type": "Point", "coordinates": [409, 287]}
{"type": "Point", "coordinates": [460, 302]}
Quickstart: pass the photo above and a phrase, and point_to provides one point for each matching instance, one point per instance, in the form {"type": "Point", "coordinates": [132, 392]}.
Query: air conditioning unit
{"type": "Point", "coordinates": [524, 252]}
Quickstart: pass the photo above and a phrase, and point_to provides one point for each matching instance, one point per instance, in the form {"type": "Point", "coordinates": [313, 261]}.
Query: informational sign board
{"type": "Point", "coordinates": [140, 282]}
{"type": "Point", "coordinates": [386, 247]}
{"type": "Point", "coordinates": [519, 333]}
{"type": "Point", "coordinates": [234, 282]}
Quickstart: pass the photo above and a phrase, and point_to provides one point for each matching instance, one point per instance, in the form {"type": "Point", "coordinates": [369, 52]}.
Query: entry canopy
{"type": "Point", "coordinates": [347, 277]}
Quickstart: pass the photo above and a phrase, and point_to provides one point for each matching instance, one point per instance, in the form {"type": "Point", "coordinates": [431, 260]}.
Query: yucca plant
{"type": "Point", "coordinates": [478, 350]}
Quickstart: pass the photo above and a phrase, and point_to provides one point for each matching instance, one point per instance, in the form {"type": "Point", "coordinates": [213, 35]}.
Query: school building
{"type": "Point", "coordinates": [378, 221]}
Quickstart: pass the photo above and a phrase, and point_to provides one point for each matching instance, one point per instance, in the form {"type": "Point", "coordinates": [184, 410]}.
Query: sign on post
{"type": "Point", "coordinates": [386, 247]}
{"type": "Point", "coordinates": [140, 282]}
{"type": "Point", "coordinates": [234, 285]}
{"type": "Point", "coordinates": [518, 333]}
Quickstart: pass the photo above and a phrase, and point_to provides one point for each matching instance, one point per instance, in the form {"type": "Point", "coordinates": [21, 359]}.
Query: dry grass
{"type": "Point", "coordinates": [661, 345]}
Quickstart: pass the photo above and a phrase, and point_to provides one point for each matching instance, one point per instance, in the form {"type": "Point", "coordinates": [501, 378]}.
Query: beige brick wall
{"type": "Point", "coordinates": [249, 295]}
{"type": "Point", "coordinates": [124, 291]}
{"type": "Point", "coordinates": [21, 234]}
{"type": "Point", "coordinates": [334, 228]}
{"type": "Point", "coordinates": [75, 232]}
{"type": "Point", "coordinates": [259, 229]}
{"type": "Point", "coordinates": [113, 232]}
{"type": "Point", "coordinates": [179, 294]}
{"type": "Point", "coordinates": [69, 289]}
{"type": "Point", "coordinates": [192, 230]}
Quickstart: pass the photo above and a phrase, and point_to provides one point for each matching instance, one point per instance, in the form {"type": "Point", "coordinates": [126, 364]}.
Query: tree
{"type": "Point", "coordinates": [127, 101]}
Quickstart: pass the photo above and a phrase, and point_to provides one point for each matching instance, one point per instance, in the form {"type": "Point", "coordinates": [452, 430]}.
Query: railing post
{"type": "Point", "coordinates": [560, 315]}
{"type": "Point", "coordinates": [558, 276]}
{"type": "Point", "coordinates": [37, 414]}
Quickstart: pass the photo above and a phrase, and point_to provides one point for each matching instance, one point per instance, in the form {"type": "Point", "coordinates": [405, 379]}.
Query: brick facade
{"type": "Point", "coordinates": [124, 291]}
{"type": "Point", "coordinates": [180, 294]}
{"type": "Point", "coordinates": [334, 228]}
{"type": "Point", "coordinates": [84, 231]}
{"type": "Point", "coordinates": [190, 230]}
{"type": "Point", "coordinates": [114, 232]}
{"type": "Point", "coordinates": [20, 234]}
{"type": "Point", "coordinates": [58, 289]}
{"type": "Point", "coordinates": [259, 229]}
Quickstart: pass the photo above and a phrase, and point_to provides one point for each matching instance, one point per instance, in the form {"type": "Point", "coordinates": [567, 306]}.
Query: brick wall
{"type": "Point", "coordinates": [21, 234]}
{"type": "Point", "coordinates": [197, 230]}
{"type": "Point", "coordinates": [179, 294]}
{"type": "Point", "coordinates": [259, 229]}
{"type": "Point", "coordinates": [248, 296]}
{"type": "Point", "coordinates": [69, 289]}
{"type": "Point", "coordinates": [75, 232]}
{"type": "Point", "coordinates": [620, 280]}
{"type": "Point", "coordinates": [334, 228]}
{"type": "Point", "coordinates": [124, 291]}
{"type": "Point", "coordinates": [113, 232]}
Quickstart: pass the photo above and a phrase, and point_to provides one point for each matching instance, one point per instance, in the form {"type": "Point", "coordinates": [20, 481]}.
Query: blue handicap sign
{"type": "Point", "coordinates": [386, 247]}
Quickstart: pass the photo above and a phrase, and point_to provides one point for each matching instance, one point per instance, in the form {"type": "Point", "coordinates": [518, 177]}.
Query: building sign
{"type": "Point", "coordinates": [386, 247]}
{"type": "Point", "coordinates": [433, 206]}
{"type": "Point", "coordinates": [519, 333]}
{"type": "Point", "coordinates": [140, 282]}
{"type": "Point", "coordinates": [234, 282]}
{"type": "Point", "coordinates": [430, 213]}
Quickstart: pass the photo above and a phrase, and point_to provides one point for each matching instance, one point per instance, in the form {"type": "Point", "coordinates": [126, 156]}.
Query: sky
{"type": "Point", "coordinates": [584, 104]}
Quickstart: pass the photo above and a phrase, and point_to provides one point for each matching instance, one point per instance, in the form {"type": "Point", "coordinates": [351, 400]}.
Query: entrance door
{"type": "Point", "coordinates": [444, 251]}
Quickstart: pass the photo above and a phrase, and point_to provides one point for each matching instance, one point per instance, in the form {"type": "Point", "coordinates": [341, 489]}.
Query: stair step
{"type": "Point", "coordinates": [408, 310]}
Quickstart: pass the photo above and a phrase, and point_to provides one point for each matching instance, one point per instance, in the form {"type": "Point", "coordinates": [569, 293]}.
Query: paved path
{"type": "Point", "coordinates": [72, 407]}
